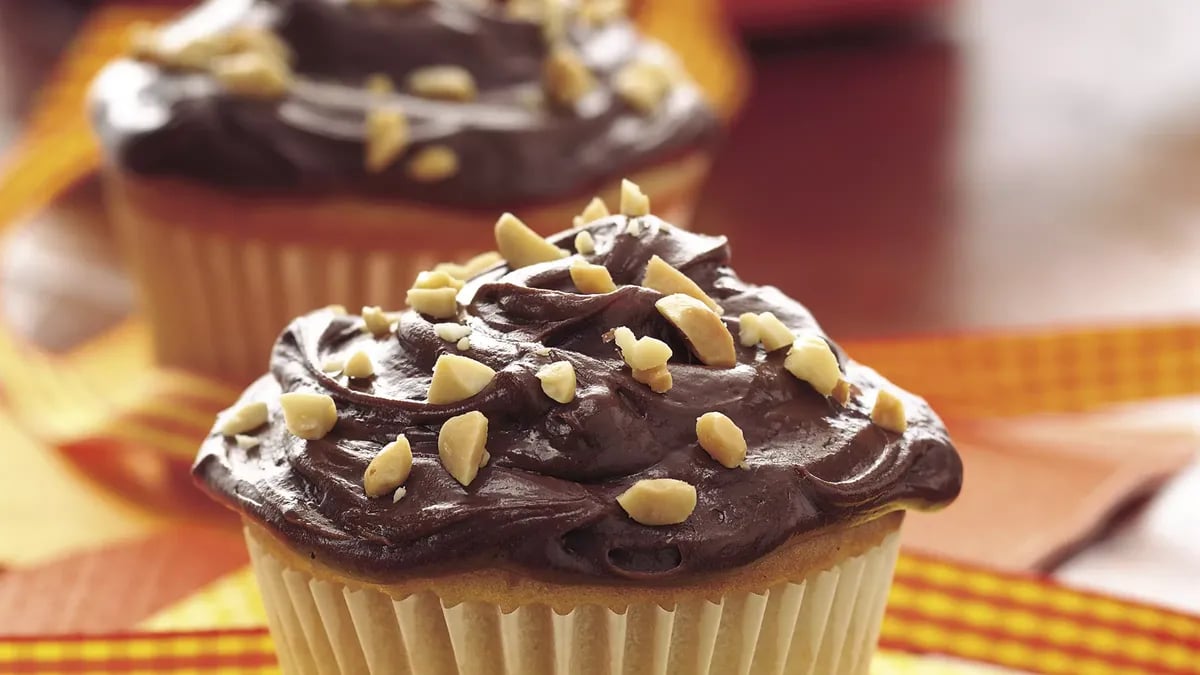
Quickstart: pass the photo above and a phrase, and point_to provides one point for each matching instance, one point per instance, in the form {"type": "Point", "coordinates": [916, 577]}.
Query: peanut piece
{"type": "Point", "coordinates": [595, 210]}
{"type": "Point", "coordinates": [584, 243]}
{"type": "Point", "coordinates": [633, 227]}
{"type": "Point", "coordinates": [634, 202]}
{"type": "Point", "coordinates": [440, 303]}
{"type": "Point", "coordinates": [841, 392]}
{"type": "Point", "coordinates": [433, 163]}
{"type": "Point", "coordinates": [376, 321]}
{"type": "Point", "coordinates": [470, 268]}
{"type": "Point", "coordinates": [332, 365]}
{"type": "Point", "coordinates": [658, 379]}
{"type": "Point", "coordinates": [750, 332]}
{"type": "Point", "coordinates": [448, 83]}
{"type": "Point", "coordinates": [643, 85]}
{"type": "Point", "coordinates": [888, 412]}
{"type": "Point", "coordinates": [359, 366]}
{"type": "Point", "coordinates": [456, 378]}
{"type": "Point", "coordinates": [704, 331]}
{"type": "Point", "coordinates": [246, 442]}
{"type": "Point", "coordinates": [558, 381]}
{"type": "Point", "coordinates": [386, 138]}
{"type": "Point", "coordinates": [461, 445]}
{"type": "Point", "coordinates": [521, 246]}
{"type": "Point", "coordinates": [721, 439]}
{"type": "Point", "coordinates": [399, 494]}
{"type": "Point", "coordinates": [812, 360]}
{"type": "Point", "coordinates": [662, 277]}
{"type": "Point", "coordinates": [644, 353]}
{"type": "Point", "coordinates": [389, 469]}
{"type": "Point", "coordinates": [659, 501]}
{"type": "Point", "coordinates": [308, 416]}
{"type": "Point", "coordinates": [591, 279]}
{"type": "Point", "coordinates": [773, 332]}
{"type": "Point", "coordinates": [463, 344]}
{"type": "Point", "coordinates": [246, 417]}
{"type": "Point", "coordinates": [438, 279]}
{"type": "Point", "coordinates": [600, 12]}
{"type": "Point", "coordinates": [566, 77]}
{"type": "Point", "coordinates": [252, 74]}
{"type": "Point", "coordinates": [451, 332]}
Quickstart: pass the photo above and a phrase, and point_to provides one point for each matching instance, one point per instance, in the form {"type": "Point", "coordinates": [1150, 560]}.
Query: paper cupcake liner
{"type": "Point", "coordinates": [825, 624]}
{"type": "Point", "coordinates": [221, 275]}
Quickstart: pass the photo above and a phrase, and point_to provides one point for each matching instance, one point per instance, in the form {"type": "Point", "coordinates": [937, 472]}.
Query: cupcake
{"type": "Point", "coordinates": [266, 157]}
{"type": "Point", "coordinates": [614, 457]}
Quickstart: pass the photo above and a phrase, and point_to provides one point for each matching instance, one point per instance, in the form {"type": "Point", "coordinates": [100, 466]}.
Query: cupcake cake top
{"type": "Point", "coordinates": [612, 401]}
{"type": "Point", "coordinates": [472, 102]}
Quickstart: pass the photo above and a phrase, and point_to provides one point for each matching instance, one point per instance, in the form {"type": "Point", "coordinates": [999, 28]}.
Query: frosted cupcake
{"type": "Point", "coordinates": [268, 157]}
{"type": "Point", "coordinates": [612, 456]}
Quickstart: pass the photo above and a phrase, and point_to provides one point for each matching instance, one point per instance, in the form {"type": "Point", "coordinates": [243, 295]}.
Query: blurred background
{"type": "Point", "coordinates": [910, 170]}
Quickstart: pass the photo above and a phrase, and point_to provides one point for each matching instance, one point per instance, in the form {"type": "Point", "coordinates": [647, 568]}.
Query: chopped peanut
{"type": "Point", "coordinates": [643, 85]}
{"type": "Point", "coordinates": [595, 210]}
{"type": "Point", "coordinates": [659, 501]}
{"type": "Point", "coordinates": [658, 379]}
{"type": "Point", "coordinates": [813, 361]}
{"type": "Point", "coordinates": [246, 417]}
{"type": "Point", "coordinates": [704, 331]}
{"type": "Point", "coordinates": [440, 303]}
{"type": "Point", "coordinates": [449, 83]}
{"type": "Point", "coordinates": [461, 445]}
{"type": "Point", "coordinates": [662, 277]}
{"type": "Point", "coordinates": [644, 353]}
{"type": "Point", "coordinates": [634, 202]}
{"type": "Point", "coordinates": [451, 332]}
{"type": "Point", "coordinates": [376, 321]}
{"type": "Point", "coordinates": [359, 366]}
{"type": "Point", "coordinates": [566, 77]}
{"type": "Point", "coordinates": [470, 268]}
{"type": "Point", "coordinates": [463, 344]}
{"type": "Point", "coordinates": [246, 442]}
{"type": "Point", "coordinates": [433, 164]}
{"type": "Point", "coordinates": [386, 138]}
{"type": "Point", "coordinates": [721, 439]}
{"type": "Point", "coordinates": [438, 279]}
{"type": "Point", "coordinates": [584, 243]}
{"type": "Point", "coordinates": [841, 392]}
{"type": "Point", "coordinates": [558, 381]}
{"type": "Point", "coordinates": [389, 469]}
{"type": "Point", "coordinates": [521, 246]}
{"type": "Point", "coordinates": [750, 332]}
{"type": "Point", "coordinates": [773, 332]}
{"type": "Point", "coordinates": [456, 378]}
{"type": "Point", "coordinates": [591, 279]}
{"type": "Point", "coordinates": [308, 416]}
{"type": "Point", "coordinates": [252, 74]}
{"type": "Point", "coordinates": [888, 412]}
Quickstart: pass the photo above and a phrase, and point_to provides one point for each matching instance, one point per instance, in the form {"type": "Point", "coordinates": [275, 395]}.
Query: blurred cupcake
{"type": "Point", "coordinates": [613, 456]}
{"type": "Point", "coordinates": [265, 158]}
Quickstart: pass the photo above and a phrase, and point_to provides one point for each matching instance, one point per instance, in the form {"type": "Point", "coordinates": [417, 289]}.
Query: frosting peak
{"type": "Point", "coordinates": [546, 497]}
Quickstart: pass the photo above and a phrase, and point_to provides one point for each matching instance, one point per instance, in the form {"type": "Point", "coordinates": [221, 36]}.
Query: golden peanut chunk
{"type": "Point", "coordinates": [399, 494]}
{"type": "Point", "coordinates": [643, 85]}
{"type": "Point", "coordinates": [463, 344]}
{"type": "Point", "coordinates": [252, 74]}
{"type": "Point", "coordinates": [644, 353]}
{"type": "Point", "coordinates": [380, 85]}
{"type": "Point", "coordinates": [584, 243]}
{"type": "Point", "coordinates": [750, 332]}
{"type": "Point", "coordinates": [433, 164]}
{"type": "Point", "coordinates": [600, 12]}
{"type": "Point", "coordinates": [260, 40]}
{"type": "Point", "coordinates": [658, 379]}
{"type": "Point", "coordinates": [662, 277]}
{"type": "Point", "coordinates": [721, 439]}
{"type": "Point", "coordinates": [633, 227]}
{"type": "Point", "coordinates": [387, 137]}
{"type": "Point", "coordinates": [659, 501]}
{"type": "Point", "coordinates": [461, 445]}
{"type": "Point", "coordinates": [591, 279]}
{"type": "Point", "coordinates": [440, 303]}
{"type": "Point", "coordinates": [773, 333]}
{"type": "Point", "coordinates": [704, 331]}
{"type": "Point", "coordinates": [470, 268]}
{"type": "Point", "coordinates": [634, 202]}
{"type": "Point", "coordinates": [376, 321]}
{"type": "Point", "coordinates": [456, 378]}
{"type": "Point", "coordinates": [389, 469]}
{"type": "Point", "coordinates": [359, 366]}
{"type": "Point", "coordinates": [246, 442]}
{"type": "Point", "coordinates": [308, 416]}
{"type": "Point", "coordinates": [246, 417]}
{"type": "Point", "coordinates": [595, 210]}
{"type": "Point", "coordinates": [841, 392]}
{"type": "Point", "coordinates": [888, 412]}
{"type": "Point", "coordinates": [521, 246]}
{"type": "Point", "coordinates": [558, 381]}
{"type": "Point", "coordinates": [448, 83]}
{"type": "Point", "coordinates": [332, 365]}
{"type": "Point", "coordinates": [451, 332]}
{"type": "Point", "coordinates": [437, 279]}
{"type": "Point", "coordinates": [813, 361]}
{"type": "Point", "coordinates": [566, 77]}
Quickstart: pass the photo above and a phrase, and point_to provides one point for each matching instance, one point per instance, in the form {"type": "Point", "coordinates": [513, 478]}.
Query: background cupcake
{"type": "Point", "coordinates": [592, 466]}
{"type": "Point", "coordinates": [267, 158]}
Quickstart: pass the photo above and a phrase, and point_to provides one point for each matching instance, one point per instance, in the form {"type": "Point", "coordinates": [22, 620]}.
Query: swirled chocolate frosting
{"type": "Point", "coordinates": [546, 500]}
{"type": "Point", "coordinates": [512, 142]}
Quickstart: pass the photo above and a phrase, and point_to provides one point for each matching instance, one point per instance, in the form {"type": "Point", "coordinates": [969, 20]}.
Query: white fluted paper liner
{"type": "Point", "coordinates": [826, 624]}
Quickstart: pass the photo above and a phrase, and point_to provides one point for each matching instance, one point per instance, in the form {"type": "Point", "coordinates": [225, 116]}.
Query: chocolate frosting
{"type": "Point", "coordinates": [164, 122]}
{"type": "Point", "coordinates": [546, 500]}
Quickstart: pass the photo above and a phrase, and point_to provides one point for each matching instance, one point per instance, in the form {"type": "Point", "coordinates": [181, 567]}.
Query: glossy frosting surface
{"type": "Point", "coordinates": [546, 501]}
{"type": "Point", "coordinates": [511, 149]}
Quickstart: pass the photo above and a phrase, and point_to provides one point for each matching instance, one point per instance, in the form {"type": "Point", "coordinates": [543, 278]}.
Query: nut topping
{"type": "Point", "coordinates": [376, 321]}
{"type": "Point", "coordinates": [247, 417]}
{"type": "Point", "coordinates": [591, 279]}
{"type": "Point", "coordinates": [658, 379]}
{"type": "Point", "coordinates": [774, 334]}
{"type": "Point", "coordinates": [750, 332]}
{"type": "Point", "coordinates": [558, 381]}
{"type": "Point", "coordinates": [435, 294]}
{"type": "Point", "coordinates": [841, 392]}
{"type": "Point", "coordinates": [332, 365]}
{"type": "Point", "coordinates": [600, 12]}
{"type": "Point", "coordinates": [246, 442]}
{"type": "Point", "coordinates": [387, 137]}
{"type": "Point", "coordinates": [456, 378]}
{"type": "Point", "coordinates": [595, 210]}
{"type": "Point", "coordinates": [659, 501]}
{"type": "Point", "coordinates": [470, 268]}
{"type": "Point", "coordinates": [584, 243]}
{"type": "Point", "coordinates": [463, 344]}
{"type": "Point", "coordinates": [643, 85]}
{"type": "Point", "coordinates": [521, 246]}
{"type": "Point", "coordinates": [644, 353]}
{"type": "Point", "coordinates": [451, 332]}
{"type": "Point", "coordinates": [565, 76]}
{"type": "Point", "coordinates": [634, 202]}
{"type": "Point", "coordinates": [448, 83]}
{"type": "Point", "coordinates": [721, 439]}
{"type": "Point", "coordinates": [308, 416]}
{"type": "Point", "coordinates": [662, 277]}
{"type": "Point", "coordinates": [704, 331]}
{"type": "Point", "coordinates": [359, 366]}
{"type": "Point", "coordinates": [438, 279]}
{"type": "Point", "coordinates": [461, 445]}
{"type": "Point", "coordinates": [433, 163]}
{"type": "Point", "coordinates": [252, 74]}
{"type": "Point", "coordinates": [389, 469]}
{"type": "Point", "coordinates": [812, 360]}
{"type": "Point", "coordinates": [888, 412]}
